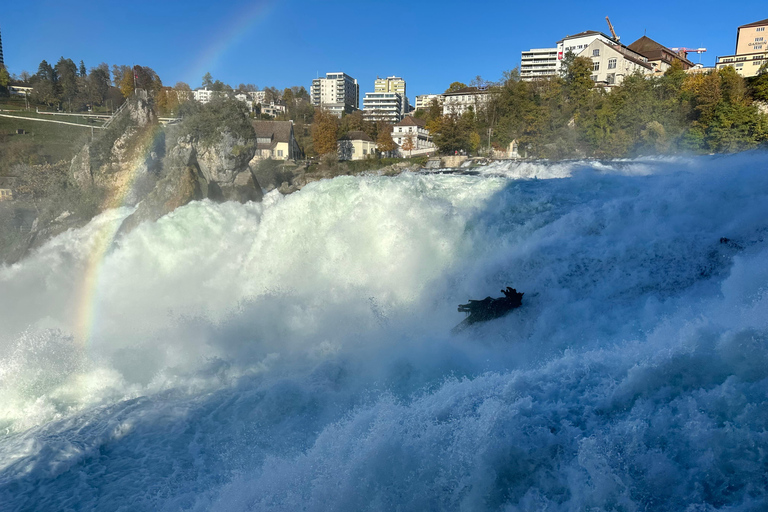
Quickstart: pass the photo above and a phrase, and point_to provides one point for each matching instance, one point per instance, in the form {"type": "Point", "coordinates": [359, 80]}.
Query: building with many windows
{"type": "Point", "coordinates": [751, 49]}
{"type": "Point", "coordinates": [538, 63]}
{"type": "Point", "coordinates": [415, 130]}
{"type": "Point", "coordinates": [337, 92]}
{"type": "Point", "coordinates": [384, 106]}
{"type": "Point", "coordinates": [612, 62]}
{"type": "Point", "coordinates": [468, 98]}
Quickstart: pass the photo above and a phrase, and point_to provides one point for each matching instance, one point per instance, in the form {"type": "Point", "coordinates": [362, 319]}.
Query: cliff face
{"type": "Point", "coordinates": [159, 169]}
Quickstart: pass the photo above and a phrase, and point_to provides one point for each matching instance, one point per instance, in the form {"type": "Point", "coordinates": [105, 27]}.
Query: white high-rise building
{"type": "Point", "coordinates": [538, 63]}
{"type": "Point", "coordinates": [383, 106]}
{"type": "Point", "coordinates": [337, 92]}
{"type": "Point", "coordinates": [387, 102]}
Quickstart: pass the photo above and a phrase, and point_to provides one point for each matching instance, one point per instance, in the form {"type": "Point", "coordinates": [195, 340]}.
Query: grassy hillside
{"type": "Point", "coordinates": [42, 142]}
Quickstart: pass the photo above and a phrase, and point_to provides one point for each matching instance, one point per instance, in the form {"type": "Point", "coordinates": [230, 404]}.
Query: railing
{"type": "Point", "coordinates": [114, 116]}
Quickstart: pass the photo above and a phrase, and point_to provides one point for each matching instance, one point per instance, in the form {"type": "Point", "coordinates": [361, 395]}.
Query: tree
{"type": "Point", "coordinates": [82, 69]}
{"type": "Point", "coordinates": [408, 144]}
{"type": "Point", "coordinates": [456, 86]}
{"type": "Point", "coordinates": [325, 132]}
{"type": "Point", "coordinates": [98, 84]}
{"type": "Point", "coordinates": [45, 84]}
{"type": "Point", "coordinates": [66, 70]}
{"type": "Point", "coordinates": [207, 80]}
{"type": "Point", "coordinates": [384, 141]}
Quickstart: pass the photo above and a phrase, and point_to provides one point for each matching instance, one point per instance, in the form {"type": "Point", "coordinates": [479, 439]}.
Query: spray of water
{"type": "Point", "coordinates": [297, 354]}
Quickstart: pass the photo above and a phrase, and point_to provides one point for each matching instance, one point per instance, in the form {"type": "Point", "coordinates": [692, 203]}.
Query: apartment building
{"type": "Point", "coordinates": [538, 63]}
{"type": "Point", "coordinates": [337, 92]}
{"type": "Point", "coordinates": [751, 49]}
{"type": "Point", "coordinates": [384, 106]}
{"type": "Point", "coordinates": [424, 101]}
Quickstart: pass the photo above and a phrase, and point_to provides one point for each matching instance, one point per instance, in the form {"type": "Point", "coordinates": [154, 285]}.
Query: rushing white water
{"type": "Point", "coordinates": [296, 354]}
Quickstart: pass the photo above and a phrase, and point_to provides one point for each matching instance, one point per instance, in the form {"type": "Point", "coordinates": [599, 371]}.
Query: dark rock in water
{"type": "Point", "coordinates": [489, 308]}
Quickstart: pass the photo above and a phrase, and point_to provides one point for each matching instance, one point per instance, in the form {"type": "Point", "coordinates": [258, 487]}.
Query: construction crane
{"type": "Point", "coordinates": [613, 32]}
{"type": "Point", "coordinates": [685, 51]}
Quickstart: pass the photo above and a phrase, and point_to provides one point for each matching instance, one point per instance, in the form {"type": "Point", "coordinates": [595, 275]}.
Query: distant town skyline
{"type": "Point", "coordinates": [287, 43]}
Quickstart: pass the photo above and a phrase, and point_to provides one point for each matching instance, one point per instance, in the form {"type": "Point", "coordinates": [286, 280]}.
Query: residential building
{"type": "Point", "coordinates": [19, 89]}
{"type": "Point", "coordinates": [658, 55]}
{"type": "Point", "coordinates": [203, 94]}
{"type": "Point", "coordinates": [393, 84]}
{"type": "Point", "coordinates": [577, 43]}
{"type": "Point", "coordinates": [424, 101]}
{"type": "Point", "coordinates": [273, 109]}
{"type": "Point", "coordinates": [383, 106]}
{"type": "Point", "coordinates": [356, 145]}
{"type": "Point", "coordinates": [460, 101]}
{"type": "Point", "coordinates": [337, 92]}
{"type": "Point", "coordinates": [414, 129]}
{"type": "Point", "coordinates": [612, 62]}
{"type": "Point", "coordinates": [538, 63]}
{"type": "Point", "coordinates": [751, 49]}
{"type": "Point", "coordinates": [275, 140]}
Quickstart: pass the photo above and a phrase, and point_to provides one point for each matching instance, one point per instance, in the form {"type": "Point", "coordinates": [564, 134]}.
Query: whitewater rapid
{"type": "Point", "coordinates": [296, 354]}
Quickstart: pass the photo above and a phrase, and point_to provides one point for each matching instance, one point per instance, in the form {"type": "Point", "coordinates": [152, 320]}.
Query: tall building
{"type": "Point", "coordinates": [538, 63]}
{"type": "Point", "coordinates": [2, 62]}
{"type": "Point", "coordinates": [384, 106]}
{"type": "Point", "coordinates": [387, 102]}
{"type": "Point", "coordinates": [751, 49]}
{"type": "Point", "coordinates": [337, 92]}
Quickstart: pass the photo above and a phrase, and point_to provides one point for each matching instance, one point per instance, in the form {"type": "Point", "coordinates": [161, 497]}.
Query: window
{"type": "Point", "coordinates": [596, 66]}
{"type": "Point", "coordinates": [593, 78]}
{"type": "Point", "coordinates": [760, 29]}
{"type": "Point", "coordinates": [263, 140]}
{"type": "Point", "coordinates": [365, 151]}
{"type": "Point", "coordinates": [759, 47]}
{"type": "Point", "coordinates": [279, 152]}
{"type": "Point", "coordinates": [596, 53]}
{"type": "Point", "coordinates": [611, 63]}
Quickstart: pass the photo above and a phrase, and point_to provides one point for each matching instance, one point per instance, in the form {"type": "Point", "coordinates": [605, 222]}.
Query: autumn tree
{"type": "Point", "coordinates": [325, 132]}
{"type": "Point", "coordinates": [384, 141]}
{"type": "Point", "coordinates": [408, 144]}
{"type": "Point", "coordinates": [456, 86]}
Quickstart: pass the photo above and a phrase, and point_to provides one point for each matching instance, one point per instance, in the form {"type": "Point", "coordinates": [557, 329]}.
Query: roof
{"type": "Point", "coordinates": [277, 131]}
{"type": "Point", "coordinates": [585, 33]}
{"type": "Point", "coordinates": [467, 90]}
{"type": "Point", "coordinates": [412, 121]}
{"type": "Point", "coordinates": [756, 24]}
{"type": "Point", "coordinates": [356, 135]}
{"type": "Point", "coordinates": [652, 50]}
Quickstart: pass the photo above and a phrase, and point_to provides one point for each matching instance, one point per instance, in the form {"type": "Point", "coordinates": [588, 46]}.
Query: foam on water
{"type": "Point", "coordinates": [296, 354]}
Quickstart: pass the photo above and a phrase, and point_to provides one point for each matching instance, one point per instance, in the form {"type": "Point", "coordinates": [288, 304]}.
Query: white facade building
{"type": "Point", "coordinates": [337, 92]}
{"type": "Point", "coordinates": [383, 106]}
{"type": "Point", "coordinates": [414, 129]}
{"type": "Point", "coordinates": [203, 94]}
{"type": "Point", "coordinates": [356, 145]}
{"type": "Point", "coordinates": [538, 63]}
{"type": "Point", "coordinates": [611, 63]}
{"type": "Point", "coordinates": [469, 98]}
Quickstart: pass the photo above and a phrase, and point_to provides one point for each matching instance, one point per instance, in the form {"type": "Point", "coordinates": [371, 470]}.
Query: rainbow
{"type": "Point", "coordinates": [237, 27]}
{"type": "Point", "coordinates": [88, 293]}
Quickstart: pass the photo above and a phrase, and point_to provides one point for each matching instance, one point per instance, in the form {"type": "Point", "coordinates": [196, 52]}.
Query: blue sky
{"type": "Point", "coordinates": [290, 42]}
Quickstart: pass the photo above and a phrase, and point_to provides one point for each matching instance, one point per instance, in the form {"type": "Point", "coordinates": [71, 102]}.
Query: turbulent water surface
{"type": "Point", "coordinates": [297, 354]}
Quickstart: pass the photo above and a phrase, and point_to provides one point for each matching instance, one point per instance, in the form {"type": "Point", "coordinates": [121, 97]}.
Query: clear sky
{"type": "Point", "coordinates": [289, 42]}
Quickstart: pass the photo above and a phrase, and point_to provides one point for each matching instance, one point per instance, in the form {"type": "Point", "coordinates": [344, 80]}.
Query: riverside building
{"type": "Point", "coordinates": [337, 92]}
